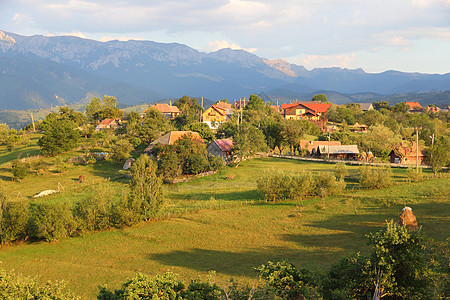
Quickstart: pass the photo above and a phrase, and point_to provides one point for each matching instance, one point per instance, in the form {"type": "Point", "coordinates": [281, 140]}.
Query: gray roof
{"type": "Point", "coordinates": [365, 106]}
{"type": "Point", "coordinates": [342, 149]}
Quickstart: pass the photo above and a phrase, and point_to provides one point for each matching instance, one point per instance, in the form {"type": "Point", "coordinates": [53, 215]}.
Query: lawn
{"type": "Point", "coordinates": [221, 224]}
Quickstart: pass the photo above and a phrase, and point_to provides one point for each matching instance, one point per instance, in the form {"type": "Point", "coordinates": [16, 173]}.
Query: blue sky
{"type": "Point", "coordinates": [376, 35]}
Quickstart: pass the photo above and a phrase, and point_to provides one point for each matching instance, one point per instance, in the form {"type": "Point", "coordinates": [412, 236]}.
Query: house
{"type": "Point", "coordinates": [276, 108]}
{"type": "Point", "coordinates": [167, 110]}
{"type": "Point", "coordinates": [311, 146]}
{"type": "Point", "coordinates": [358, 128]}
{"type": "Point", "coordinates": [405, 154]}
{"type": "Point", "coordinates": [221, 148]}
{"type": "Point", "coordinates": [128, 163]}
{"type": "Point", "coordinates": [107, 124]}
{"type": "Point", "coordinates": [433, 109]}
{"type": "Point", "coordinates": [173, 136]}
{"type": "Point", "coordinates": [365, 106]}
{"type": "Point", "coordinates": [313, 111]}
{"type": "Point", "coordinates": [216, 114]}
{"type": "Point", "coordinates": [414, 106]}
{"type": "Point", "coordinates": [240, 104]}
{"type": "Point", "coordinates": [338, 152]}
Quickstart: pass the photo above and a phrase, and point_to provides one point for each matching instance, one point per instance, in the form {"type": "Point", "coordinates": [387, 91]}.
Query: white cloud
{"type": "Point", "coordinates": [217, 45]}
{"type": "Point", "coordinates": [340, 60]}
{"type": "Point", "coordinates": [119, 38]}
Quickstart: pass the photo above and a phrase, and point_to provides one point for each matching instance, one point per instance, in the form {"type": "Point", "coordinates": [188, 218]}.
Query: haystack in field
{"type": "Point", "coordinates": [407, 218]}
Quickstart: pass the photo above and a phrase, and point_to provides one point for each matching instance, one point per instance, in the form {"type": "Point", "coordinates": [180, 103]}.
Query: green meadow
{"type": "Point", "coordinates": [218, 222]}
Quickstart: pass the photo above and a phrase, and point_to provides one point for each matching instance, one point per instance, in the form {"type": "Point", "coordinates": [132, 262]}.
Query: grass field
{"type": "Point", "coordinates": [215, 226]}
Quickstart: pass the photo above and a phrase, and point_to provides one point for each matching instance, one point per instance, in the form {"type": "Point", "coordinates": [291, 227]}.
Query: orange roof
{"type": "Point", "coordinates": [408, 151]}
{"type": "Point", "coordinates": [171, 137]}
{"type": "Point", "coordinates": [315, 106]}
{"type": "Point", "coordinates": [106, 122]}
{"type": "Point", "coordinates": [165, 108]}
{"type": "Point", "coordinates": [413, 105]}
{"type": "Point", "coordinates": [223, 105]}
{"type": "Point", "coordinates": [220, 110]}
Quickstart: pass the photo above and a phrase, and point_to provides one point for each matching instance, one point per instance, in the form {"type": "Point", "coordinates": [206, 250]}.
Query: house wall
{"type": "Point", "coordinates": [215, 150]}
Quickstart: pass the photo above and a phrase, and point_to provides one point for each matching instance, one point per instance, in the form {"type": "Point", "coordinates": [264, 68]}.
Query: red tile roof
{"type": "Point", "coordinates": [165, 108]}
{"type": "Point", "coordinates": [106, 122]}
{"type": "Point", "coordinates": [224, 145]}
{"type": "Point", "coordinates": [171, 137]}
{"type": "Point", "coordinates": [314, 106]}
{"type": "Point", "coordinates": [413, 105]}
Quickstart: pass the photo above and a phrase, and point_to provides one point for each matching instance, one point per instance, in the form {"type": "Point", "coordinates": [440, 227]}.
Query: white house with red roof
{"type": "Point", "coordinates": [313, 111]}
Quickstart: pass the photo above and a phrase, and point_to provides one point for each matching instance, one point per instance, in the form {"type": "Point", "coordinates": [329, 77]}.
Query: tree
{"type": "Point", "coordinates": [439, 154]}
{"type": "Point", "coordinates": [254, 103]}
{"type": "Point", "coordinates": [248, 141]}
{"type": "Point", "coordinates": [153, 125]}
{"type": "Point", "coordinates": [119, 149]}
{"type": "Point", "coordinates": [20, 169]}
{"type": "Point", "coordinates": [98, 110]}
{"type": "Point", "coordinates": [146, 195]}
{"type": "Point", "coordinates": [93, 107]}
{"type": "Point", "coordinates": [320, 97]}
{"type": "Point", "coordinates": [59, 135]}
{"type": "Point", "coordinates": [292, 133]}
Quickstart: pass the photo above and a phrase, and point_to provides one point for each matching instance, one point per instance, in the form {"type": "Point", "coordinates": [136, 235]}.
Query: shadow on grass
{"type": "Point", "coordinates": [110, 170]}
{"type": "Point", "coordinates": [202, 196]}
{"type": "Point", "coordinates": [235, 263]}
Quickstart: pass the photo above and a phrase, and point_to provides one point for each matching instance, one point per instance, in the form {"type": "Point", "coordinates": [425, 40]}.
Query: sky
{"type": "Point", "coordinates": [375, 35]}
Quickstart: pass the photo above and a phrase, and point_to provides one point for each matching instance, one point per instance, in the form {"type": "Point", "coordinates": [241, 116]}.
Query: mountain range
{"type": "Point", "coordinates": [40, 71]}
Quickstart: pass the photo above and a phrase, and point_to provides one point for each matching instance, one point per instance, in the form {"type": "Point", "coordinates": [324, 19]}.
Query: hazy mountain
{"type": "Point", "coordinates": [38, 71]}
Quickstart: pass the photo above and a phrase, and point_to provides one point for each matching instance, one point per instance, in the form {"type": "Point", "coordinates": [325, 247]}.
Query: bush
{"type": "Point", "coordinates": [20, 169]}
{"type": "Point", "coordinates": [18, 287]}
{"type": "Point", "coordinates": [215, 163]}
{"type": "Point", "coordinates": [195, 164]}
{"type": "Point", "coordinates": [340, 171]}
{"type": "Point", "coordinates": [414, 174]}
{"type": "Point", "coordinates": [327, 185]}
{"type": "Point", "coordinates": [15, 220]}
{"type": "Point", "coordinates": [375, 177]}
{"type": "Point", "coordinates": [51, 221]}
{"type": "Point", "coordinates": [93, 213]}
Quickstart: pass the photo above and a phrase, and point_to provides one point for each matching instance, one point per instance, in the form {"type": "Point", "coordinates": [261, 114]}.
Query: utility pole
{"type": "Point", "coordinates": [328, 149]}
{"type": "Point", "coordinates": [432, 143]}
{"type": "Point", "coordinates": [32, 120]}
{"type": "Point", "coordinates": [417, 150]}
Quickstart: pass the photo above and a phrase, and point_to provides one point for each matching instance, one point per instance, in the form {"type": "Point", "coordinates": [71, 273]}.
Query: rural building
{"type": "Point", "coordinates": [365, 106]}
{"type": "Point", "coordinates": [414, 106]}
{"type": "Point", "coordinates": [240, 104]}
{"type": "Point", "coordinates": [108, 124]}
{"type": "Point", "coordinates": [338, 152]}
{"type": "Point", "coordinates": [311, 146]}
{"type": "Point", "coordinates": [216, 114]}
{"type": "Point", "coordinates": [128, 163]}
{"type": "Point", "coordinates": [433, 109]}
{"type": "Point", "coordinates": [167, 110]}
{"type": "Point", "coordinates": [173, 136]}
{"type": "Point", "coordinates": [313, 111]}
{"type": "Point", "coordinates": [358, 128]}
{"type": "Point", "coordinates": [405, 154]}
{"type": "Point", "coordinates": [221, 148]}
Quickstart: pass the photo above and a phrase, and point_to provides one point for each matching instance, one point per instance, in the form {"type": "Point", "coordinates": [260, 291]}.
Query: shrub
{"type": "Point", "coordinates": [340, 171]}
{"type": "Point", "coordinates": [93, 213]}
{"type": "Point", "coordinates": [51, 221]}
{"type": "Point", "coordinates": [414, 174]}
{"type": "Point", "coordinates": [20, 169]}
{"type": "Point", "coordinates": [195, 164]}
{"type": "Point", "coordinates": [375, 177]}
{"type": "Point", "coordinates": [15, 220]}
{"type": "Point", "coordinates": [215, 162]}
{"type": "Point", "coordinates": [288, 282]}
{"type": "Point", "coordinates": [327, 185]}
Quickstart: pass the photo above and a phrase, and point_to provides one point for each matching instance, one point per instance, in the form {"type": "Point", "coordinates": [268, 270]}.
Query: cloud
{"type": "Point", "coordinates": [217, 45]}
{"type": "Point", "coordinates": [119, 38]}
{"type": "Point", "coordinates": [340, 60]}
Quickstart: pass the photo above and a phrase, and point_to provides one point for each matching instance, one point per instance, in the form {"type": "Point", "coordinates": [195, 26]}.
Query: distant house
{"type": "Point", "coordinates": [358, 128]}
{"type": "Point", "coordinates": [221, 148]}
{"type": "Point", "coordinates": [108, 124]}
{"type": "Point", "coordinates": [173, 136]}
{"type": "Point", "coordinates": [216, 114]}
{"type": "Point", "coordinates": [276, 108]}
{"type": "Point", "coordinates": [313, 111]}
{"type": "Point", "coordinates": [405, 154]}
{"type": "Point", "coordinates": [414, 106]}
{"type": "Point", "coordinates": [128, 163]}
{"type": "Point", "coordinates": [338, 152]}
{"type": "Point", "coordinates": [167, 110]}
{"type": "Point", "coordinates": [365, 106]}
{"type": "Point", "coordinates": [240, 104]}
{"type": "Point", "coordinates": [311, 146]}
{"type": "Point", "coordinates": [433, 109]}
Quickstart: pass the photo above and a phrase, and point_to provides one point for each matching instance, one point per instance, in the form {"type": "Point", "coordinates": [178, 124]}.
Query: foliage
{"type": "Point", "coordinates": [287, 281]}
{"type": "Point", "coordinates": [203, 130]}
{"type": "Point", "coordinates": [276, 185]}
{"type": "Point", "coordinates": [146, 195]}
{"type": "Point", "coordinates": [248, 141]}
{"type": "Point", "coordinates": [93, 213]}
{"type": "Point", "coordinates": [14, 286]}
{"type": "Point", "coordinates": [375, 177]}
{"type": "Point", "coordinates": [153, 125]}
{"type": "Point", "coordinates": [13, 220]}
{"type": "Point", "coordinates": [166, 286]}
{"type": "Point", "coordinates": [195, 164]}
{"type": "Point", "coordinates": [340, 170]}
{"type": "Point", "coordinates": [97, 110]}
{"type": "Point", "coordinates": [254, 103]}
{"type": "Point", "coordinates": [414, 174]}
{"type": "Point", "coordinates": [119, 149]}
{"type": "Point", "coordinates": [327, 185]}
{"type": "Point", "coordinates": [440, 154]}
{"type": "Point", "coordinates": [51, 221]}
{"type": "Point", "coordinates": [20, 169]}
{"type": "Point", "coordinates": [59, 135]}
{"type": "Point", "coordinates": [320, 97]}
{"type": "Point", "coordinates": [190, 112]}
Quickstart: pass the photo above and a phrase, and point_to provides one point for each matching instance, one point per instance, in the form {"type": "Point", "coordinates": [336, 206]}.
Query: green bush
{"type": "Point", "coordinates": [276, 185]}
{"type": "Point", "coordinates": [20, 169]}
{"type": "Point", "coordinates": [340, 171]}
{"type": "Point", "coordinates": [215, 163]}
{"type": "Point", "coordinates": [414, 175]}
{"type": "Point", "coordinates": [14, 286]}
{"type": "Point", "coordinates": [93, 213]}
{"type": "Point", "coordinates": [51, 221]}
{"type": "Point", "coordinates": [195, 164]}
{"type": "Point", "coordinates": [327, 185]}
{"type": "Point", "coordinates": [375, 177]}
{"type": "Point", "coordinates": [15, 220]}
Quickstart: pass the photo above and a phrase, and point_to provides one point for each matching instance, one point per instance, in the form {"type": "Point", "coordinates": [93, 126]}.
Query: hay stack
{"type": "Point", "coordinates": [408, 219]}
